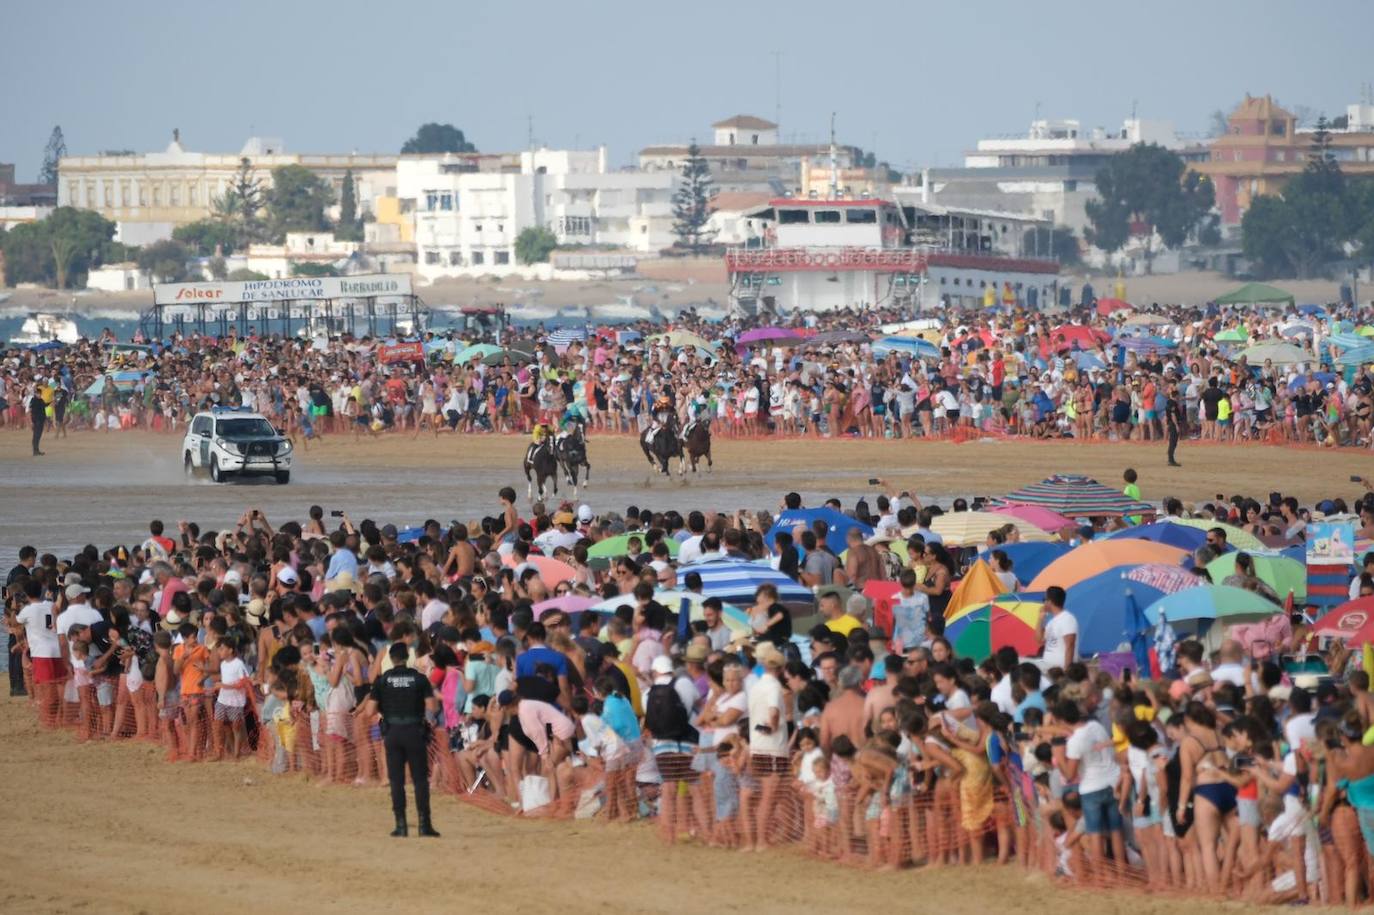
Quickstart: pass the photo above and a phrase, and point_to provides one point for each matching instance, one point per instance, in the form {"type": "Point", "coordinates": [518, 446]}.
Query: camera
{"type": "Point", "coordinates": [336, 514]}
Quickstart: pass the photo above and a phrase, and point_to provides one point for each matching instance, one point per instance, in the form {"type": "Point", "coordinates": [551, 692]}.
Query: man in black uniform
{"type": "Point", "coordinates": [405, 699]}
{"type": "Point", "coordinates": [38, 417]}
{"type": "Point", "coordinates": [1173, 420]}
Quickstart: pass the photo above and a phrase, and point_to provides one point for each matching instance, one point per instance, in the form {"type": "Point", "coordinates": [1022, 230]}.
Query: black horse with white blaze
{"type": "Point", "coordinates": [662, 445]}
{"type": "Point", "coordinates": [572, 457]}
{"type": "Point", "coordinates": [541, 462]}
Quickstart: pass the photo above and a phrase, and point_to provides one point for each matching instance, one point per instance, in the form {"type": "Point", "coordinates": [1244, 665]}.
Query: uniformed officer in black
{"type": "Point", "coordinates": [1174, 418]}
{"type": "Point", "coordinates": [405, 699]}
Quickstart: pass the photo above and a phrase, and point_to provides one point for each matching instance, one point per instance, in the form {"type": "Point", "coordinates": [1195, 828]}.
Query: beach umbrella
{"type": "Point", "coordinates": [1107, 306]}
{"type": "Point", "coordinates": [1235, 536]}
{"type": "Point", "coordinates": [1320, 377]}
{"type": "Point", "coordinates": [1107, 606]}
{"type": "Point", "coordinates": [619, 545]}
{"type": "Point", "coordinates": [1359, 355]}
{"type": "Point", "coordinates": [1345, 341]}
{"type": "Point", "coordinates": [767, 335]}
{"type": "Point", "coordinates": [1144, 342]}
{"type": "Point", "coordinates": [476, 351]}
{"type": "Point", "coordinates": [1286, 576]}
{"type": "Point", "coordinates": [1365, 330]}
{"type": "Point", "coordinates": [1295, 329]}
{"type": "Point", "coordinates": [1038, 516]}
{"type": "Point", "coordinates": [928, 334]}
{"type": "Point", "coordinates": [1029, 559]}
{"type": "Point", "coordinates": [735, 581]}
{"type": "Point", "coordinates": [1165, 579]}
{"type": "Point", "coordinates": [567, 603]}
{"type": "Point", "coordinates": [516, 357]}
{"type": "Point", "coordinates": [1313, 310]}
{"type": "Point", "coordinates": [971, 528]}
{"type": "Point", "coordinates": [1351, 622]}
{"type": "Point", "coordinates": [1098, 556]}
{"type": "Point", "coordinates": [1185, 537]}
{"type": "Point", "coordinates": [735, 619]}
{"type": "Point", "coordinates": [837, 525]}
{"type": "Point", "coordinates": [979, 584]}
{"type": "Point", "coordinates": [1086, 361]}
{"type": "Point", "coordinates": [912, 346]}
{"type": "Point", "coordinates": [831, 337]}
{"type": "Point", "coordinates": [1212, 602]}
{"type": "Point", "coordinates": [1234, 335]}
{"type": "Point", "coordinates": [678, 339]}
{"type": "Point", "coordinates": [1279, 352]}
{"type": "Point", "coordinates": [552, 572]}
{"type": "Point", "coordinates": [1067, 336]}
{"type": "Point", "coordinates": [1145, 319]}
{"type": "Point", "coordinates": [1077, 496]}
{"type": "Point", "coordinates": [981, 630]}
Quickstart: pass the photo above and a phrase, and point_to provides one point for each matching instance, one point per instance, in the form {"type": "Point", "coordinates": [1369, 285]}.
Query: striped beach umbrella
{"type": "Point", "coordinates": [981, 630]}
{"type": "Point", "coordinates": [1235, 536]}
{"type": "Point", "coordinates": [1075, 495]}
{"type": "Point", "coordinates": [971, 528]}
{"type": "Point", "coordinates": [736, 581]}
{"type": "Point", "coordinates": [735, 619]}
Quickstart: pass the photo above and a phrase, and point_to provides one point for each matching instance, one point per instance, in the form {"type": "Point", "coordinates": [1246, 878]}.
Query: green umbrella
{"type": "Point", "coordinates": [1282, 574]}
{"type": "Point", "coordinates": [612, 547]}
{"type": "Point", "coordinates": [516, 357]}
{"type": "Point", "coordinates": [479, 351]}
{"type": "Point", "coordinates": [1234, 335]}
{"type": "Point", "coordinates": [1240, 539]}
{"type": "Point", "coordinates": [1280, 352]}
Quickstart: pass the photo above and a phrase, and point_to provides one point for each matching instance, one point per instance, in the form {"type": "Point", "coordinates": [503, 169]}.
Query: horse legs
{"type": "Point", "coordinates": [529, 483]}
{"type": "Point", "coordinates": [709, 463]}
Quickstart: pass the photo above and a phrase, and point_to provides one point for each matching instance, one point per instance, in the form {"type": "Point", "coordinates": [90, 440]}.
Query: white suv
{"type": "Point", "coordinates": [226, 442]}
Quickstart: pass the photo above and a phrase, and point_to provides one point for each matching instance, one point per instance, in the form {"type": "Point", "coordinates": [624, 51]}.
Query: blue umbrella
{"type": "Point", "coordinates": [49, 345]}
{"type": "Point", "coordinates": [1346, 341]}
{"type": "Point", "coordinates": [1166, 532]}
{"type": "Point", "coordinates": [1323, 377]}
{"type": "Point", "coordinates": [1029, 559]}
{"type": "Point", "coordinates": [1108, 609]}
{"type": "Point", "coordinates": [735, 581]}
{"type": "Point", "coordinates": [1088, 361]}
{"type": "Point", "coordinates": [837, 524]}
{"type": "Point", "coordinates": [1144, 343]}
{"type": "Point", "coordinates": [1317, 310]}
{"type": "Point", "coordinates": [1359, 355]}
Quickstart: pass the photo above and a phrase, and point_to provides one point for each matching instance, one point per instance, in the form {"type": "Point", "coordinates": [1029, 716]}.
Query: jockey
{"type": "Point", "coordinates": [699, 412]}
{"type": "Point", "coordinates": [660, 417]}
{"type": "Point", "coordinates": [569, 421]}
{"type": "Point", "coordinates": [538, 436]}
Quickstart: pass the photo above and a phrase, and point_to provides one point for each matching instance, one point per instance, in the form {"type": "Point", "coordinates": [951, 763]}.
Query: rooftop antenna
{"type": "Point", "coordinates": [834, 166]}
{"type": "Point", "coordinates": [529, 132]}
{"type": "Point", "coordinates": [1134, 104]}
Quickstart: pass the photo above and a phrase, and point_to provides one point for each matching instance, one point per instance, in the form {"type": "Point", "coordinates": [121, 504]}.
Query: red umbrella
{"type": "Point", "coordinates": [1352, 622]}
{"type": "Point", "coordinates": [1107, 306]}
{"type": "Point", "coordinates": [1067, 336]}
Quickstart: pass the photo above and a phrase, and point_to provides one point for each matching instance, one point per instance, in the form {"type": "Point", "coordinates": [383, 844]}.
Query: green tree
{"type": "Point", "coordinates": [312, 269]}
{"type": "Point", "coordinates": [52, 156]}
{"type": "Point", "coordinates": [692, 202]}
{"type": "Point", "coordinates": [219, 270]}
{"type": "Point", "coordinates": [207, 237]}
{"type": "Point", "coordinates": [57, 251]}
{"type": "Point", "coordinates": [166, 261]}
{"type": "Point", "coordinates": [1147, 186]}
{"type": "Point", "coordinates": [1057, 242]}
{"type": "Point", "coordinates": [350, 227]}
{"type": "Point", "coordinates": [437, 138]}
{"type": "Point", "coordinates": [297, 201]}
{"type": "Point", "coordinates": [534, 245]}
{"type": "Point", "coordinates": [1362, 218]}
{"type": "Point", "coordinates": [243, 275]}
{"type": "Point", "coordinates": [240, 207]}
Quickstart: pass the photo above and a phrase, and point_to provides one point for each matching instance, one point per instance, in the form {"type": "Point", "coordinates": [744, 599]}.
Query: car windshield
{"type": "Point", "coordinates": [245, 427]}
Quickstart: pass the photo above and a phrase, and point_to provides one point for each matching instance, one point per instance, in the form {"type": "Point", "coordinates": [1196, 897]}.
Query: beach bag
{"type": "Point", "coordinates": [534, 792]}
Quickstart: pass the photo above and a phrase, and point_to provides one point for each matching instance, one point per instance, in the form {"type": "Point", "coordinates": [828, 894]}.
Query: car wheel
{"type": "Point", "coordinates": [188, 465]}
{"type": "Point", "coordinates": [283, 476]}
{"type": "Point", "coordinates": [215, 473]}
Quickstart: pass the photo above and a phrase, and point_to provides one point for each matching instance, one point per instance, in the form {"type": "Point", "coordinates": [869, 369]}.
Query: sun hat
{"type": "Point", "coordinates": [767, 654]}
{"type": "Point", "coordinates": [661, 665]}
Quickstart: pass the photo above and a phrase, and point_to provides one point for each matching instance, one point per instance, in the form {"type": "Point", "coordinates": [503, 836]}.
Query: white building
{"type": "Point", "coordinates": [466, 219]}
{"type": "Point", "coordinates": [125, 277]}
{"type": "Point", "coordinates": [1051, 170]}
{"type": "Point", "coordinates": [746, 155]}
{"type": "Point", "coordinates": [148, 195]}
{"type": "Point", "coordinates": [11, 216]}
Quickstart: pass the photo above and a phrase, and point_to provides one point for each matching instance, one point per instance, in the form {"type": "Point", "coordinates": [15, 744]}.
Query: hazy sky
{"type": "Point", "coordinates": [918, 81]}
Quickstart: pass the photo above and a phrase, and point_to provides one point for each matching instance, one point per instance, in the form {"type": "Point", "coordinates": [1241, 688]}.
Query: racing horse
{"type": "Point", "coordinates": [663, 446]}
{"type": "Point", "coordinates": [541, 462]}
{"type": "Point", "coordinates": [696, 438]}
{"type": "Point", "coordinates": [572, 457]}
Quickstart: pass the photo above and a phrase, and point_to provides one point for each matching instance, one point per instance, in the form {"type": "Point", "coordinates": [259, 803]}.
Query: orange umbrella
{"type": "Point", "coordinates": [1100, 555]}
{"type": "Point", "coordinates": [980, 585]}
{"type": "Point", "coordinates": [551, 571]}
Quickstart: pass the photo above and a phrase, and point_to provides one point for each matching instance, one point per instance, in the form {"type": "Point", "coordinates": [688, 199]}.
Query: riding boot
{"type": "Point", "coordinates": [401, 830]}
{"type": "Point", "coordinates": [426, 829]}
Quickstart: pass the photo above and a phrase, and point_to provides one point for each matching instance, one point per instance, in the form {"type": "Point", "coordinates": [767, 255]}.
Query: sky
{"type": "Point", "coordinates": [918, 82]}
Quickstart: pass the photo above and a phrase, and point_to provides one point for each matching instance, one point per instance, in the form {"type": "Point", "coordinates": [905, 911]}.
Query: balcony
{"type": "Point", "coordinates": [877, 260]}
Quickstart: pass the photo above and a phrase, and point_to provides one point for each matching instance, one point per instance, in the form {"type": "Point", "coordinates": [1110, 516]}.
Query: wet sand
{"type": "Point", "coordinates": [113, 828]}
{"type": "Point", "coordinates": [100, 488]}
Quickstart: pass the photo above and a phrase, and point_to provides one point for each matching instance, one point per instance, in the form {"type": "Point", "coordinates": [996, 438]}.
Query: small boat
{"type": "Point", "coordinates": [44, 327]}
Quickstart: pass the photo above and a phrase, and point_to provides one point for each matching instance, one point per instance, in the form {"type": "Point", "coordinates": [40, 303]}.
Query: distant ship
{"type": "Point", "coordinates": [42, 327]}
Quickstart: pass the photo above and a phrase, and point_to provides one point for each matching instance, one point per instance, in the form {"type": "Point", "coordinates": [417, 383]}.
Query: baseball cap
{"type": "Point", "coordinates": [506, 697]}
{"type": "Point", "coordinates": [75, 591]}
{"type": "Point", "coordinates": [662, 665]}
{"type": "Point", "coordinates": [389, 530]}
{"type": "Point", "coordinates": [288, 575]}
{"type": "Point", "coordinates": [563, 518]}
{"type": "Point", "coordinates": [584, 513]}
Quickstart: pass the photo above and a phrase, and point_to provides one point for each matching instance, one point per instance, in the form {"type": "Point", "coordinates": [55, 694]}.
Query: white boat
{"type": "Point", "coordinates": [43, 327]}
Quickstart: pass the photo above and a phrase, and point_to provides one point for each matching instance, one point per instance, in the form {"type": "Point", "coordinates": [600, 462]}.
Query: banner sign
{"type": "Point", "coordinates": [285, 289]}
{"type": "Point", "coordinates": [1331, 543]}
{"type": "Point", "coordinates": [401, 352]}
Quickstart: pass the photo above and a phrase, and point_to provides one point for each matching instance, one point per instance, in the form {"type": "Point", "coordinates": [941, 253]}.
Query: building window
{"type": "Point", "coordinates": [792, 217]}
{"type": "Point", "coordinates": [173, 195]}
{"type": "Point", "coordinates": [454, 258]}
{"type": "Point", "coordinates": [500, 227]}
{"type": "Point", "coordinates": [157, 195]}
{"type": "Point", "coordinates": [501, 257]}
{"type": "Point", "coordinates": [431, 201]}
{"type": "Point", "coordinates": [827, 216]}
{"type": "Point", "coordinates": [574, 225]}
{"type": "Point", "coordinates": [755, 138]}
{"type": "Point", "coordinates": [124, 195]}
{"type": "Point", "coordinates": [476, 227]}
{"type": "Point", "coordinates": [191, 195]}
{"type": "Point", "coordinates": [73, 193]}
{"type": "Point", "coordinates": [862, 216]}
{"type": "Point", "coordinates": [109, 195]}
{"type": "Point", "coordinates": [143, 195]}
{"type": "Point", "coordinates": [445, 201]}
{"type": "Point", "coordinates": [477, 258]}
{"type": "Point", "coordinates": [431, 257]}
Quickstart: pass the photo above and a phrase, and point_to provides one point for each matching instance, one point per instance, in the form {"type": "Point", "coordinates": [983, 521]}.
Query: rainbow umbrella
{"type": "Point", "coordinates": [1100, 555]}
{"type": "Point", "coordinates": [980, 630]}
{"type": "Point", "coordinates": [619, 545]}
{"type": "Point", "coordinates": [1075, 495]}
{"type": "Point", "coordinates": [1282, 574]}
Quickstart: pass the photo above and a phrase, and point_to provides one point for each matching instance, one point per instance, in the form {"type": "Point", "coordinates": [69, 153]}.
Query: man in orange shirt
{"type": "Point", "coordinates": [189, 660]}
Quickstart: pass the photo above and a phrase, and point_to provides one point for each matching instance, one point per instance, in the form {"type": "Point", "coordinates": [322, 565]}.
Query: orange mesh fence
{"type": "Point", "coordinates": [867, 814]}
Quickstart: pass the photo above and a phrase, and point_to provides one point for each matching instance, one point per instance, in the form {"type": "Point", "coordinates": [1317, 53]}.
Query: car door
{"type": "Point", "coordinates": [205, 424]}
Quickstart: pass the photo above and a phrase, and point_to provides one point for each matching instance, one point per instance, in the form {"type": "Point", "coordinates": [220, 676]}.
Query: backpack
{"type": "Point", "coordinates": [665, 717]}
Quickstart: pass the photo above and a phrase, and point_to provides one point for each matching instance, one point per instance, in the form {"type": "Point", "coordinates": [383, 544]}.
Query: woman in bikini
{"type": "Point", "coordinates": [1203, 767]}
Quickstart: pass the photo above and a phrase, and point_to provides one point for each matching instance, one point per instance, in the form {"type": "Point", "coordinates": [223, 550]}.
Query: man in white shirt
{"type": "Point", "coordinates": [690, 550]}
{"type": "Point", "coordinates": [78, 613]}
{"type": "Point", "coordinates": [40, 633]}
{"type": "Point", "coordinates": [1058, 631]}
{"type": "Point", "coordinates": [563, 534]}
{"type": "Point", "coordinates": [1230, 669]}
{"type": "Point", "coordinates": [767, 741]}
{"type": "Point", "coordinates": [1089, 761]}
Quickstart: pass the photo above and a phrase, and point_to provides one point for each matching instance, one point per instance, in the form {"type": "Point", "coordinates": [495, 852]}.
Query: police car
{"type": "Point", "coordinates": [227, 442]}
